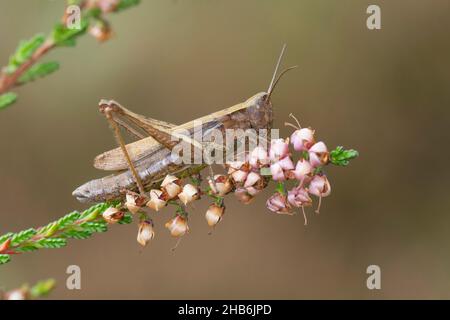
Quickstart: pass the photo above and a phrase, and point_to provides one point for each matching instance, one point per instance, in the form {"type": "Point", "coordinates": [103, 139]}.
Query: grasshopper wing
{"type": "Point", "coordinates": [145, 147]}
{"type": "Point", "coordinates": [114, 159]}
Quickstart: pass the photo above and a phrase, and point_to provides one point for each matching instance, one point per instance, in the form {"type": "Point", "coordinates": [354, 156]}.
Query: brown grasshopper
{"type": "Point", "coordinates": [144, 163]}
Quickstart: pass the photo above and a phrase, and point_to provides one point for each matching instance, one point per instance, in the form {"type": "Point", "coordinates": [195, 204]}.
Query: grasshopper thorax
{"type": "Point", "coordinates": [259, 111]}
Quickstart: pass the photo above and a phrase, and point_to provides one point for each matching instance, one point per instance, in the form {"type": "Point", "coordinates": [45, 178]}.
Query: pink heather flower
{"type": "Point", "coordinates": [318, 154]}
{"type": "Point", "coordinates": [101, 32]}
{"type": "Point", "coordinates": [302, 139]}
{"type": "Point", "coordinates": [299, 197]}
{"type": "Point", "coordinates": [107, 5]}
{"type": "Point", "coordinates": [277, 172]}
{"type": "Point", "coordinates": [243, 196]}
{"type": "Point", "coordinates": [17, 294]}
{"type": "Point", "coordinates": [258, 157]}
{"type": "Point", "coordinates": [278, 203]}
{"type": "Point", "coordinates": [319, 186]}
{"type": "Point", "coordinates": [252, 179]}
{"type": "Point", "coordinates": [286, 163]}
{"type": "Point", "coordinates": [236, 165]}
{"type": "Point", "coordinates": [319, 148]}
{"type": "Point", "coordinates": [279, 149]}
{"type": "Point", "coordinates": [252, 191]}
{"type": "Point", "coordinates": [239, 176]}
{"type": "Point", "coordinates": [254, 184]}
{"type": "Point", "coordinates": [302, 169]}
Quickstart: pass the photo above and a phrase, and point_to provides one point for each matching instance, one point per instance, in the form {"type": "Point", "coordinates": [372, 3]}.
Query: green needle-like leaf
{"type": "Point", "coordinates": [42, 288]}
{"type": "Point", "coordinates": [68, 219]}
{"type": "Point", "coordinates": [52, 243]}
{"type": "Point", "coordinates": [7, 99]}
{"type": "Point", "coordinates": [22, 236]}
{"type": "Point", "coordinates": [4, 258]}
{"type": "Point", "coordinates": [342, 157]}
{"type": "Point", "coordinates": [127, 219]}
{"type": "Point", "coordinates": [97, 226]}
{"type": "Point", "coordinates": [6, 236]}
{"type": "Point", "coordinates": [63, 36]}
{"type": "Point", "coordinates": [39, 70]}
{"type": "Point", "coordinates": [23, 52]}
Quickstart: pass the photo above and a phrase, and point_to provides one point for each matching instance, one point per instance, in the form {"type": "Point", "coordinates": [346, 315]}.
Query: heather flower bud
{"type": "Point", "coordinates": [157, 199]}
{"type": "Point", "coordinates": [299, 197]}
{"type": "Point", "coordinates": [145, 232]}
{"type": "Point", "coordinates": [253, 191]}
{"type": "Point", "coordinates": [318, 154]}
{"type": "Point", "coordinates": [243, 196]}
{"type": "Point", "coordinates": [302, 139]}
{"type": "Point", "coordinates": [286, 163]}
{"type": "Point", "coordinates": [239, 176]}
{"type": "Point", "coordinates": [221, 185]}
{"type": "Point", "coordinates": [171, 185]}
{"type": "Point", "coordinates": [278, 203]}
{"type": "Point", "coordinates": [17, 294]}
{"type": "Point", "coordinates": [189, 194]}
{"type": "Point", "coordinates": [259, 157]}
{"type": "Point", "coordinates": [235, 165]}
{"type": "Point", "coordinates": [134, 202]}
{"type": "Point", "coordinates": [252, 179]}
{"type": "Point", "coordinates": [112, 215]}
{"type": "Point", "coordinates": [279, 148]}
{"type": "Point", "coordinates": [319, 186]}
{"type": "Point", "coordinates": [101, 31]}
{"type": "Point", "coordinates": [107, 5]}
{"type": "Point", "coordinates": [302, 169]}
{"type": "Point", "coordinates": [177, 226]}
{"type": "Point", "coordinates": [277, 172]}
{"type": "Point", "coordinates": [214, 214]}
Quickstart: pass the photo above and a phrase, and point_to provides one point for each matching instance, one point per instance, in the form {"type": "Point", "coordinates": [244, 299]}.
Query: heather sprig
{"type": "Point", "coordinates": [74, 225]}
{"type": "Point", "coordinates": [297, 180]}
{"type": "Point", "coordinates": [23, 66]}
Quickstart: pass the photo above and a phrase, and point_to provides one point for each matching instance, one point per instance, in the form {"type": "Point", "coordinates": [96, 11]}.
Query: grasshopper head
{"type": "Point", "coordinates": [259, 111]}
{"type": "Point", "coordinates": [259, 107]}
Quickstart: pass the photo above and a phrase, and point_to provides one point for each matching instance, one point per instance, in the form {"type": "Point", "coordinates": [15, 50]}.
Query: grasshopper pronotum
{"type": "Point", "coordinates": [147, 161]}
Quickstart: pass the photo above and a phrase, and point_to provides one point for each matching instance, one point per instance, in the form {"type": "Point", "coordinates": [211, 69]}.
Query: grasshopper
{"type": "Point", "coordinates": [145, 162]}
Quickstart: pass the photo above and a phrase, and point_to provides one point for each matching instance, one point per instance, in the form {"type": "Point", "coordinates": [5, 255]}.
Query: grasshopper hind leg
{"type": "Point", "coordinates": [109, 111]}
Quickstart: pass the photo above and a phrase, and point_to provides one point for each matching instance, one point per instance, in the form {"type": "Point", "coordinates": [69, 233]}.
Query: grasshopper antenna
{"type": "Point", "coordinates": [275, 79]}
{"type": "Point", "coordinates": [276, 69]}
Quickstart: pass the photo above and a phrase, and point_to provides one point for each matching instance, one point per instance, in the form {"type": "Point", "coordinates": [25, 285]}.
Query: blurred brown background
{"type": "Point", "coordinates": [385, 93]}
